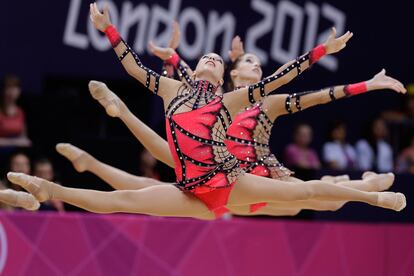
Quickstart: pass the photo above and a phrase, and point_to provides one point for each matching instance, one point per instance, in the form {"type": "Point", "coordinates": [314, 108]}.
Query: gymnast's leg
{"type": "Point", "coordinates": [370, 182]}
{"type": "Point", "coordinates": [160, 200]}
{"type": "Point", "coordinates": [19, 199]}
{"type": "Point", "coordinates": [115, 107]}
{"type": "Point", "coordinates": [118, 179]}
{"type": "Point", "coordinates": [253, 189]}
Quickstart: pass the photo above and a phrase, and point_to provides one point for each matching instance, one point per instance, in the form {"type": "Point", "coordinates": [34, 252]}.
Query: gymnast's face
{"type": "Point", "coordinates": [248, 68]}
{"type": "Point", "coordinates": [210, 67]}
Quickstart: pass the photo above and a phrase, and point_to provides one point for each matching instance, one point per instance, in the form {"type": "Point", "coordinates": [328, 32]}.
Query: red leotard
{"type": "Point", "coordinates": [248, 140]}
{"type": "Point", "coordinates": [248, 136]}
{"type": "Point", "coordinates": [196, 126]}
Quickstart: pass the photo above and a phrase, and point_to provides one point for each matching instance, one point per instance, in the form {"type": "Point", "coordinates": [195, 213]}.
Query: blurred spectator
{"type": "Point", "coordinates": [406, 114]}
{"type": "Point", "coordinates": [401, 122]}
{"type": "Point", "coordinates": [43, 168]}
{"type": "Point", "coordinates": [405, 161]}
{"type": "Point", "coordinates": [12, 118]}
{"type": "Point", "coordinates": [147, 165]}
{"type": "Point", "coordinates": [338, 154]}
{"type": "Point", "coordinates": [373, 152]}
{"type": "Point", "coordinates": [299, 155]}
{"type": "Point", "coordinates": [19, 162]}
{"type": "Point", "coordinates": [409, 105]}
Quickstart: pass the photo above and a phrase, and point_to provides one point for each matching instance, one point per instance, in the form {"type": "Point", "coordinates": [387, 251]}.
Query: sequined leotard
{"type": "Point", "coordinates": [247, 138]}
{"type": "Point", "coordinates": [197, 123]}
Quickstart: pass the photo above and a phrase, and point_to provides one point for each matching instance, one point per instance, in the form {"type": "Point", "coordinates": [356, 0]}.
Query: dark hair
{"type": "Point", "coordinates": [231, 67]}
{"type": "Point", "coordinates": [9, 80]}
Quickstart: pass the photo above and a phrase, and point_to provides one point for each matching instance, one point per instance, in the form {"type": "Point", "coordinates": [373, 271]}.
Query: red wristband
{"type": "Point", "coordinates": [317, 53]}
{"type": "Point", "coordinates": [173, 60]}
{"type": "Point", "coordinates": [168, 70]}
{"type": "Point", "coordinates": [113, 35]}
{"type": "Point", "coordinates": [356, 88]}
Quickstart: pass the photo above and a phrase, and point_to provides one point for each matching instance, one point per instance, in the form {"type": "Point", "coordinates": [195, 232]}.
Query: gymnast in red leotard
{"type": "Point", "coordinates": [209, 178]}
{"type": "Point", "coordinates": [248, 136]}
{"type": "Point", "coordinates": [158, 147]}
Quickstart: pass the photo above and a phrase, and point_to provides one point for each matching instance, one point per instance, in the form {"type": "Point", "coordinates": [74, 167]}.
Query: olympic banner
{"type": "Point", "coordinates": [84, 244]}
{"type": "Point", "coordinates": [56, 38]}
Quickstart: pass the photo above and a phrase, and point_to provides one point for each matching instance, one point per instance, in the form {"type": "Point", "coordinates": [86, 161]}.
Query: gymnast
{"type": "Point", "coordinates": [209, 178]}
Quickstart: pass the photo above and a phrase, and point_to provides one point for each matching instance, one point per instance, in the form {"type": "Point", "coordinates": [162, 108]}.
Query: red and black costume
{"type": "Point", "coordinates": [197, 124]}
{"type": "Point", "coordinates": [247, 138]}
{"type": "Point", "coordinates": [196, 135]}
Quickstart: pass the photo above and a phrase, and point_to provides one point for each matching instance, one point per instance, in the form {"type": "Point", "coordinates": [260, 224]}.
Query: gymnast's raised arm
{"type": "Point", "coordinates": [164, 87]}
{"type": "Point", "coordinates": [246, 96]}
{"type": "Point", "coordinates": [277, 105]}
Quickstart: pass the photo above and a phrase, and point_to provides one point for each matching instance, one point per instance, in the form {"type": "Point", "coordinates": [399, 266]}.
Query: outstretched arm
{"type": "Point", "coordinates": [244, 97]}
{"type": "Point", "coordinates": [165, 87]}
{"type": "Point", "coordinates": [277, 105]}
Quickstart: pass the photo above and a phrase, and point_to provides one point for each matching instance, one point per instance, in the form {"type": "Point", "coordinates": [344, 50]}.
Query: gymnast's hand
{"type": "Point", "coordinates": [237, 49]}
{"type": "Point", "coordinates": [166, 53]}
{"type": "Point", "coordinates": [162, 53]}
{"type": "Point", "coordinates": [382, 81]}
{"type": "Point", "coordinates": [333, 44]}
{"type": "Point", "coordinates": [176, 36]}
{"type": "Point", "coordinates": [100, 20]}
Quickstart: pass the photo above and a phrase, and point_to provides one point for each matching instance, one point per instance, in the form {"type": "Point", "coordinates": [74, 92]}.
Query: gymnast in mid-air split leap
{"type": "Point", "coordinates": [209, 177]}
{"type": "Point", "coordinates": [254, 154]}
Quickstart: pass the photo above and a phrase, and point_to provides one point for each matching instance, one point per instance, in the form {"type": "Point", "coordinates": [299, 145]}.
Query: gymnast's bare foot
{"type": "Point", "coordinates": [393, 201]}
{"type": "Point", "coordinates": [41, 189]}
{"type": "Point", "coordinates": [111, 102]}
{"type": "Point", "coordinates": [80, 159]}
{"type": "Point", "coordinates": [379, 182]}
{"type": "Point", "coordinates": [19, 199]}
